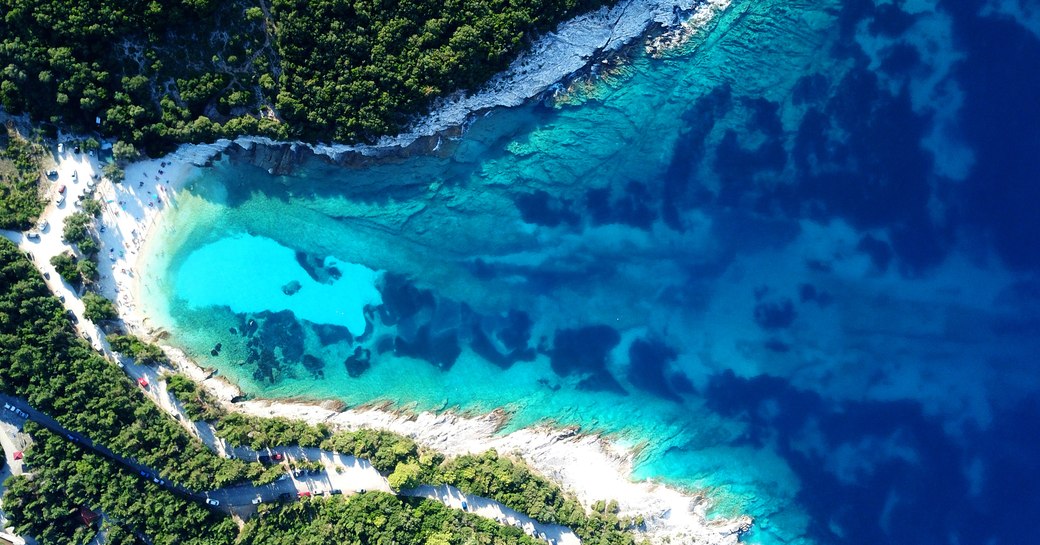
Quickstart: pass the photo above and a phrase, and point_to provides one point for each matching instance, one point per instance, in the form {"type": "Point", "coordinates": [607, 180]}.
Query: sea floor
{"type": "Point", "coordinates": [795, 261]}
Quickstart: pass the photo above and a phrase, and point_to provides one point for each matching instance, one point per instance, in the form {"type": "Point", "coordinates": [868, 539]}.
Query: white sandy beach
{"type": "Point", "coordinates": [592, 467]}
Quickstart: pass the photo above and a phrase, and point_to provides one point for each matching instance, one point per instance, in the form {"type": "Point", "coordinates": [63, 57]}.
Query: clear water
{"type": "Point", "coordinates": [796, 262]}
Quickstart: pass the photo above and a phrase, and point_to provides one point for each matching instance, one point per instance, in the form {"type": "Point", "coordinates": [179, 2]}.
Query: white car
{"type": "Point", "coordinates": [213, 502]}
{"type": "Point", "coordinates": [61, 148]}
{"type": "Point", "coordinates": [75, 177]}
{"type": "Point", "coordinates": [33, 235]}
{"type": "Point", "coordinates": [61, 199]}
{"type": "Point", "coordinates": [258, 500]}
{"type": "Point", "coordinates": [44, 225]}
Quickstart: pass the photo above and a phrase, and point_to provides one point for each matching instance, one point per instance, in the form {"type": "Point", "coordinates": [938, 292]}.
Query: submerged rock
{"type": "Point", "coordinates": [358, 363]}
{"type": "Point", "coordinates": [292, 287]}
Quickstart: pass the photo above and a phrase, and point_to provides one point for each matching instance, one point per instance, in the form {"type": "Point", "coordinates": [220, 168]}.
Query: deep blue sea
{"type": "Point", "coordinates": [796, 261]}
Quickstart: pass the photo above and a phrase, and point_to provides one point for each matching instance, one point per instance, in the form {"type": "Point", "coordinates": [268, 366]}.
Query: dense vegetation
{"type": "Point", "coordinates": [509, 482]}
{"type": "Point", "coordinates": [43, 361]}
{"type": "Point", "coordinates": [518, 486]}
{"type": "Point", "coordinates": [197, 402]}
{"type": "Point", "coordinates": [144, 353]}
{"type": "Point", "coordinates": [376, 518]}
{"type": "Point", "coordinates": [66, 478]}
{"type": "Point", "coordinates": [354, 69]}
{"type": "Point", "coordinates": [20, 203]}
{"type": "Point", "coordinates": [168, 71]}
{"type": "Point", "coordinates": [260, 433]}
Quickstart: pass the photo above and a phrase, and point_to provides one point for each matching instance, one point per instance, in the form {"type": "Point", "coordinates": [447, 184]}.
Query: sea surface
{"type": "Point", "coordinates": [794, 261]}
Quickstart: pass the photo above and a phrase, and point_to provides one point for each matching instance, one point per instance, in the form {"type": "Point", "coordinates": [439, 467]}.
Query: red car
{"type": "Point", "coordinates": [276, 456]}
{"type": "Point", "coordinates": [304, 494]}
{"type": "Point", "coordinates": [61, 189]}
{"type": "Point", "coordinates": [143, 382]}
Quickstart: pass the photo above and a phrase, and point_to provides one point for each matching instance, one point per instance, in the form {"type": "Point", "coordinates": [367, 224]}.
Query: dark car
{"type": "Point", "coordinates": [335, 491]}
{"type": "Point", "coordinates": [264, 459]}
{"type": "Point", "coordinates": [284, 496]}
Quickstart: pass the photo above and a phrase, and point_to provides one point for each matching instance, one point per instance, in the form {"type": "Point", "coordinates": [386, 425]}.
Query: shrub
{"type": "Point", "coordinates": [98, 309]}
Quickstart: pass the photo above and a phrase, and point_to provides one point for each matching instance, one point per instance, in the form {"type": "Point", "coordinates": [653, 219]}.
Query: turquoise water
{"type": "Point", "coordinates": [784, 261]}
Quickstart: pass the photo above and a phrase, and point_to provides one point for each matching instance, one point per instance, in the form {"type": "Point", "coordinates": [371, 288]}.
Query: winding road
{"type": "Point", "coordinates": [345, 470]}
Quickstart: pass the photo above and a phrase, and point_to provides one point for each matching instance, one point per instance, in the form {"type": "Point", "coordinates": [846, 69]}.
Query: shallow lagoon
{"type": "Point", "coordinates": [792, 262]}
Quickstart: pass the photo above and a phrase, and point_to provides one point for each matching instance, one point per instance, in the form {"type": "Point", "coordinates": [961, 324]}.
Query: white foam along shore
{"type": "Point", "coordinates": [592, 467]}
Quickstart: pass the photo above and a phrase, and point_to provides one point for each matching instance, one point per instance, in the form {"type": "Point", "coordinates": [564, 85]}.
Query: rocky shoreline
{"type": "Point", "coordinates": [590, 466]}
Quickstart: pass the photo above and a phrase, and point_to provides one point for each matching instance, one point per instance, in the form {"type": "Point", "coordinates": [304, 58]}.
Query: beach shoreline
{"type": "Point", "coordinates": [590, 466]}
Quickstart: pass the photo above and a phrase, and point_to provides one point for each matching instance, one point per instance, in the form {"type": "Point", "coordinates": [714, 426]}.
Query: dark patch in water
{"type": "Point", "coordinates": [401, 299]}
{"type": "Point", "coordinates": [879, 251]}
{"type": "Point", "coordinates": [584, 351]}
{"type": "Point", "coordinates": [292, 287]}
{"type": "Point", "coordinates": [316, 269]}
{"type": "Point", "coordinates": [775, 315]}
{"type": "Point", "coordinates": [648, 363]}
{"type": "Point", "coordinates": [634, 207]}
{"type": "Point", "coordinates": [314, 364]}
{"type": "Point", "coordinates": [442, 349]}
{"type": "Point", "coordinates": [359, 362]}
{"type": "Point", "coordinates": [331, 334]}
{"type": "Point", "coordinates": [541, 208]}
{"type": "Point", "coordinates": [503, 341]}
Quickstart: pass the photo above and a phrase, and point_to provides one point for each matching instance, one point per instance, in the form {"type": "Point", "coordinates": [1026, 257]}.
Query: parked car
{"type": "Point", "coordinates": [335, 491]}
{"type": "Point", "coordinates": [43, 226]}
{"type": "Point", "coordinates": [61, 189]}
{"type": "Point", "coordinates": [257, 500]}
{"type": "Point", "coordinates": [60, 200]}
{"type": "Point", "coordinates": [277, 456]}
{"type": "Point", "coordinates": [284, 496]}
{"type": "Point", "coordinates": [61, 148]}
{"type": "Point", "coordinates": [263, 459]}
{"type": "Point", "coordinates": [33, 235]}
{"type": "Point", "coordinates": [213, 502]}
{"type": "Point", "coordinates": [304, 494]}
{"type": "Point", "coordinates": [143, 382]}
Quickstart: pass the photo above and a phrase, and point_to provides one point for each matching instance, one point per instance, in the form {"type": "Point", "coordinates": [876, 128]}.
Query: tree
{"type": "Point", "coordinates": [113, 172]}
{"type": "Point", "coordinates": [91, 207]}
{"type": "Point", "coordinates": [75, 230]}
{"type": "Point", "coordinates": [144, 352]}
{"type": "Point", "coordinates": [91, 144]}
{"type": "Point", "coordinates": [97, 308]}
{"type": "Point", "coordinates": [65, 264]}
{"type": "Point", "coordinates": [405, 476]}
{"type": "Point", "coordinates": [88, 270]}
{"type": "Point", "coordinates": [124, 152]}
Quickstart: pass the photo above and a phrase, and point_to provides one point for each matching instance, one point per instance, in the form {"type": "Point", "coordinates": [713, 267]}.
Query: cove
{"type": "Point", "coordinates": [781, 259]}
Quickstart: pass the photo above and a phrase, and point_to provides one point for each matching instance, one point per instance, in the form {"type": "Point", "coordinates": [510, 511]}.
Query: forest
{"type": "Point", "coordinates": [162, 72]}
{"type": "Point", "coordinates": [20, 203]}
{"type": "Point", "coordinates": [69, 483]}
{"type": "Point", "coordinates": [43, 361]}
